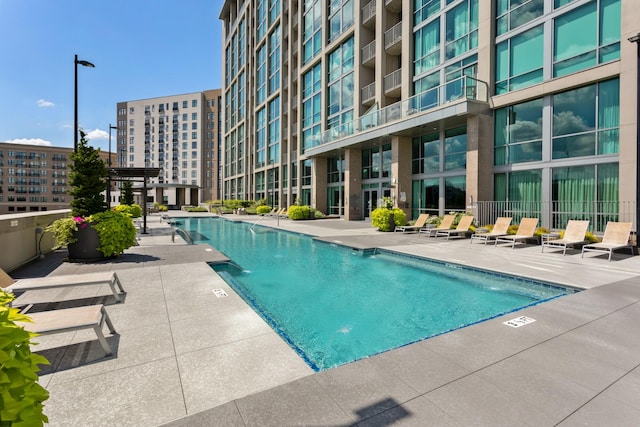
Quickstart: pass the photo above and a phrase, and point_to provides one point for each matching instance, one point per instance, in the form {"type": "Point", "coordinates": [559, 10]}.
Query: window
{"type": "Point", "coordinates": [311, 105]}
{"type": "Point", "coordinates": [312, 29]}
{"type": "Point", "coordinates": [455, 149]}
{"type": "Point", "coordinates": [519, 60]}
{"type": "Point", "coordinates": [185, 104]}
{"type": "Point", "coordinates": [586, 121]}
{"type": "Point", "coordinates": [261, 137]}
{"type": "Point", "coordinates": [518, 133]}
{"type": "Point", "coordinates": [261, 74]}
{"type": "Point", "coordinates": [514, 13]}
{"type": "Point", "coordinates": [586, 36]}
{"type": "Point", "coordinates": [426, 154]}
{"type": "Point", "coordinates": [340, 17]}
{"type": "Point", "coordinates": [425, 9]}
{"type": "Point", "coordinates": [194, 103]}
{"type": "Point", "coordinates": [462, 28]}
{"type": "Point", "coordinates": [274, 61]}
{"type": "Point", "coordinates": [194, 116]}
{"type": "Point", "coordinates": [427, 47]}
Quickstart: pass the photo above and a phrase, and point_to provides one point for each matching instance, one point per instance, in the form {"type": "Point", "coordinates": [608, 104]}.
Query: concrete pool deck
{"type": "Point", "coordinates": [185, 357]}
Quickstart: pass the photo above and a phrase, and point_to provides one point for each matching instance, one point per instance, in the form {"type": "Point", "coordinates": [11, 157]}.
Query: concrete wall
{"type": "Point", "coordinates": [22, 237]}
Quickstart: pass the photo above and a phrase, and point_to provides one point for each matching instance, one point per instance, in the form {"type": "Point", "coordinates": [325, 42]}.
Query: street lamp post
{"type": "Point", "coordinates": [109, 168]}
{"type": "Point", "coordinates": [636, 39]}
{"type": "Point", "coordinates": [75, 99]}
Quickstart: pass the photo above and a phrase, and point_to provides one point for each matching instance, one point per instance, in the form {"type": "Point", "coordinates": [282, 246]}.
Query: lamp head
{"type": "Point", "coordinates": [85, 63]}
{"type": "Point", "coordinates": [634, 39]}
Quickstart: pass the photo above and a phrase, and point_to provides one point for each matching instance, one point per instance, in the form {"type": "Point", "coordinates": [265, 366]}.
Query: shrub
{"type": "Point", "coordinates": [262, 209]}
{"type": "Point", "coordinates": [298, 212]}
{"type": "Point", "coordinates": [21, 396]}
{"type": "Point", "coordinates": [162, 208]}
{"type": "Point", "coordinates": [195, 209]}
{"type": "Point", "coordinates": [380, 218]}
{"type": "Point", "coordinates": [135, 211]}
{"type": "Point", "coordinates": [319, 214]}
{"type": "Point", "coordinates": [116, 231]}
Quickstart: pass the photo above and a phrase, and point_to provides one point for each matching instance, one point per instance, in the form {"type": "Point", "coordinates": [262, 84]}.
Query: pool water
{"type": "Point", "coordinates": [334, 305]}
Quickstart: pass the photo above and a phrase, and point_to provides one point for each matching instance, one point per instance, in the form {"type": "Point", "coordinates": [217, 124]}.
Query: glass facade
{"type": "Point", "coordinates": [311, 105]}
{"type": "Point", "coordinates": [340, 17]}
{"type": "Point", "coordinates": [340, 91]}
{"type": "Point", "coordinates": [312, 30]}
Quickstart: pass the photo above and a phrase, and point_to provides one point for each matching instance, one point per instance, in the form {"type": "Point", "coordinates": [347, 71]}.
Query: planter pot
{"type": "Point", "coordinates": [86, 247]}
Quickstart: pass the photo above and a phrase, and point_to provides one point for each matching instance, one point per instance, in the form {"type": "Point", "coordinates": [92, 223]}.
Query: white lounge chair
{"type": "Point", "coordinates": [50, 282]}
{"type": "Point", "coordinates": [526, 230]}
{"type": "Point", "coordinates": [71, 319]}
{"type": "Point", "coordinates": [419, 224]}
{"type": "Point", "coordinates": [574, 234]}
{"type": "Point", "coordinates": [445, 224]}
{"type": "Point", "coordinates": [500, 228]}
{"type": "Point", "coordinates": [616, 236]}
{"type": "Point", "coordinates": [460, 231]}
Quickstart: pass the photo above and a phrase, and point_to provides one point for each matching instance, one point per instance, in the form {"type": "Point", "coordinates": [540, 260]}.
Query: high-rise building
{"type": "Point", "coordinates": [34, 178]}
{"type": "Point", "coordinates": [520, 107]}
{"type": "Point", "coordinates": [179, 134]}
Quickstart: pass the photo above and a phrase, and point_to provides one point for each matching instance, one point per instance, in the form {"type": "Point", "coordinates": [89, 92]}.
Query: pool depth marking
{"type": "Point", "coordinates": [519, 321]}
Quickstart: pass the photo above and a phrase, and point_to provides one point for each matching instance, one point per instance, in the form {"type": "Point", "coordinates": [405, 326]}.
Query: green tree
{"type": "Point", "coordinates": [87, 180]}
{"type": "Point", "coordinates": [127, 193]}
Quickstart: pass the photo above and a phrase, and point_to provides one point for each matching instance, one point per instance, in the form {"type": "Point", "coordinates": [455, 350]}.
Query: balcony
{"type": "Point", "coordinates": [369, 15]}
{"type": "Point", "coordinates": [393, 83]}
{"type": "Point", "coordinates": [445, 102]}
{"type": "Point", "coordinates": [393, 39]}
{"type": "Point", "coordinates": [368, 55]}
{"type": "Point", "coordinates": [368, 94]}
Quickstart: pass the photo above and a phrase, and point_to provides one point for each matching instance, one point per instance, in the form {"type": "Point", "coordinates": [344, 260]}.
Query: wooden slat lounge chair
{"type": "Point", "coordinates": [574, 234]}
{"type": "Point", "coordinates": [71, 319]}
{"type": "Point", "coordinates": [526, 230]}
{"type": "Point", "coordinates": [445, 224]}
{"type": "Point", "coordinates": [419, 224]}
{"type": "Point", "coordinates": [616, 236]}
{"type": "Point", "coordinates": [460, 231]}
{"type": "Point", "coordinates": [50, 282]}
{"type": "Point", "coordinates": [500, 228]}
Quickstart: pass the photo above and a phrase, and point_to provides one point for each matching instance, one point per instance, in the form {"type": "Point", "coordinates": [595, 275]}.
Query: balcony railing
{"type": "Point", "coordinates": [462, 88]}
{"type": "Point", "coordinates": [369, 11]}
{"type": "Point", "coordinates": [369, 52]}
{"type": "Point", "coordinates": [393, 35]}
{"type": "Point", "coordinates": [556, 214]}
{"type": "Point", "coordinates": [368, 93]}
{"type": "Point", "coordinates": [393, 81]}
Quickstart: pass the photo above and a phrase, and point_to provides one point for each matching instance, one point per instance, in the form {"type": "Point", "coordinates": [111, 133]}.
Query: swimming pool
{"type": "Point", "coordinates": [334, 305]}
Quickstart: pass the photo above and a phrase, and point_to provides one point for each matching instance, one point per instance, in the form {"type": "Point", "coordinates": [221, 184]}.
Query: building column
{"type": "Point", "coordinates": [319, 185]}
{"type": "Point", "coordinates": [353, 184]}
{"type": "Point", "coordinates": [479, 180]}
{"type": "Point", "coordinates": [401, 172]}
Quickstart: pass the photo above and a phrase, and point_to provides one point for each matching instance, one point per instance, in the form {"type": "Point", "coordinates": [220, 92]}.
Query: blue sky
{"type": "Point", "coordinates": [141, 49]}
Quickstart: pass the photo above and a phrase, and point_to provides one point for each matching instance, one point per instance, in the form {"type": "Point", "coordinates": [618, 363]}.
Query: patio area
{"type": "Point", "coordinates": [185, 355]}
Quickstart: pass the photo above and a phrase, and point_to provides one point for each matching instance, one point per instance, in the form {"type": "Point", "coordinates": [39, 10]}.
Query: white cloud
{"type": "Point", "coordinates": [97, 134]}
{"type": "Point", "coordinates": [30, 141]}
{"type": "Point", "coordinates": [44, 103]}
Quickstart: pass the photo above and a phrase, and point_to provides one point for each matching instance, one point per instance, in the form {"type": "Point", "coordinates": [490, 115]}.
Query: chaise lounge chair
{"type": "Point", "coordinates": [574, 235]}
{"type": "Point", "coordinates": [500, 228]}
{"type": "Point", "coordinates": [445, 224]}
{"type": "Point", "coordinates": [419, 224]}
{"type": "Point", "coordinates": [526, 230]}
{"type": "Point", "coordinates": [50, 282]}
{"type": "Point", "coordinates": [71, 319]}
{"type": "Point", "coordinates": [460, 231]}
{"type": "Point", "coordinates": [616, 236]}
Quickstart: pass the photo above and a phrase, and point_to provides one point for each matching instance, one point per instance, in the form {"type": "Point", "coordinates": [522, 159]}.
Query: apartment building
{"type": "Point", "coordinates": [179, 134]}
{"type": "Point", "coordinates": [520, 107]}
{"type": "Point", "coordinates": [34, 178]}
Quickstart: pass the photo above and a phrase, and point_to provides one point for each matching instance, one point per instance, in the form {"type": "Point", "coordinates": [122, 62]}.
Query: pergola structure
{"type": "Point", "coordinates": [130, 174]}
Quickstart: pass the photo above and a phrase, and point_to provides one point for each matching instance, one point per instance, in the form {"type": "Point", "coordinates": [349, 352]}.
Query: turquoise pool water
{"type": "Point", "coordinates": [334, 305]}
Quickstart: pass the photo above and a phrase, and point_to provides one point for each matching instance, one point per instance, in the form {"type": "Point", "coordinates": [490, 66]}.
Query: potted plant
{"type": "Point", "coordinates": [91, 232]}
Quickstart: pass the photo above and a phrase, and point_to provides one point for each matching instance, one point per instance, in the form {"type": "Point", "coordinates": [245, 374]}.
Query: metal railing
{"type": "Point", "coordinates": [464, 87]}
{"type": "Point", "coordinates": [393, 80]}
{"type": "Point", "coordinates": [369, 11]}
{"type": "Point", "coordinates": [556, 214]}
{"type": "Point", "coordinates": [368, 52]}
{"type": "Point", "coordinates": [368, 92]}
{"type": "Point", "coordinates": [393, 35]}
